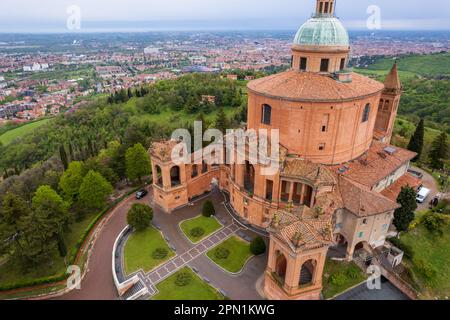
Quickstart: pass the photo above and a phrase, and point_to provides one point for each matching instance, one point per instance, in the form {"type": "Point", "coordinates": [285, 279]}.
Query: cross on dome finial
{"type": "Point", "coordinates": [325, 8]}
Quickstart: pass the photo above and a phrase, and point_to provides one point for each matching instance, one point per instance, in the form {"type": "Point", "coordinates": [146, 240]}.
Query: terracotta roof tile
{"type": "Point", "coordinates": [375, 166]}
{"type": "Point", "coordinates": [309, 86]}
{"type": "Point", "coordinates": [363, 202]}
{"type": "Point", "coordinates": [393, 191]}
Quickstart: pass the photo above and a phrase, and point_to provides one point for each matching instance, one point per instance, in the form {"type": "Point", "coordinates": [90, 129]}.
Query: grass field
{"type": "Point", "coordinates": [239, 254]}
{"type": "Point", "coordinates": [139, 249]}
{"type": "Point", "coordinates": [209, 225]}
{"type": "Point", "coordinates": [434, 251]}
{"type": "Point", "coordinates": [425, 65]}
{"type": "Point", "coordinates": [197, 289]}
{"type": "Point", "coordinates": [339, 276]}
{"type": "Point", "coordinates": [13, 134]}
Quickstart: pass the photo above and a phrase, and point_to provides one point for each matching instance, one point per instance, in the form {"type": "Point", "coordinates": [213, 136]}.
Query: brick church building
{"type": "Point", "coordinates": [337, 167]}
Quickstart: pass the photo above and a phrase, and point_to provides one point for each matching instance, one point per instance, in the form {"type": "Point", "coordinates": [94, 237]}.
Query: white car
{"type": "Point", "coordinates": [423, 194]}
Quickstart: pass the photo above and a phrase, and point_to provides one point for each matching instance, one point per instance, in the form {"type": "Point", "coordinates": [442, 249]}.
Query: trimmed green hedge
{"type": "Point", "coordinates": [73, 253]}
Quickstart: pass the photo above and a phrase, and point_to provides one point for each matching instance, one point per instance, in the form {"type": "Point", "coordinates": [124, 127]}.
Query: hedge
{"type": "Point", "coordinates": [74, 252]}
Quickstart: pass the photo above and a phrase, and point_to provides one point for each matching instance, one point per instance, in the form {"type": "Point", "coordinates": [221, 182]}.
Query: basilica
{"type": "Point", "coordinates": [338, 176]}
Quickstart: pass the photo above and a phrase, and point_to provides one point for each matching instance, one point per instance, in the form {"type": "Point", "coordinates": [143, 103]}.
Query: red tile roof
{"type": "Point", "coordinates": [309, 86]}
{"type": "Point", "coordinates": [393, 191]}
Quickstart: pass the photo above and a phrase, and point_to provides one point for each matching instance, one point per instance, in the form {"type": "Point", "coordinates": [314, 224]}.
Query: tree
{"type": "Point", "coordinates": [71, 180]}
{"type": "Point", "coordinates": [208, 209]}
{"type": "Point", "coordinates": [129, 93]}
{"type": "Point", "coordinates": [258, 246]}
{"type": "Point", "coordinates": [63, 156]}
{"type": "Point", "coordinates": [439, 152]}
{"type": "Point", "coordinates": [14, 209]}
{"type": "Point", "coordinates": [221, 121]}
{"type": "Point", "coordinates": [94, 191]}
{"type": "Point", "coordinates": [49, 205]}
{"type": "Point", "coordinates": [44, 228]}
{"type": "Point", "coordinates": [140, 216]}
{"type": "Point", "coordinates": [137, 162]}
{"type": "Point", "coordinates": [405, 215]}
{"type": "Point", "coordinates": [416, 142]}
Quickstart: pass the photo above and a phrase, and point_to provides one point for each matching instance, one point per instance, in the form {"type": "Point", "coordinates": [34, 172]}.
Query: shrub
{"type": "Point", "coordinates": [258, 246]}
{"type": "Point", "coordinates": [197, 232]}
{"type": "Point", "coordinates": [160, 253]}
{"type": "Point", "coordinates": [140, 216]}
{"type": "Point", "coordinates": [434, 222]}
{"type": "Point", "coordinates": [221, 253]}
{"type": "Point", "coordinates": [352, 273]}
{"type": "Point", "coordinates": [208, 209]}
{"type": "Point", "coordinates": [338, 279]}
{"type": "Point", "coordinates": [183, 279]}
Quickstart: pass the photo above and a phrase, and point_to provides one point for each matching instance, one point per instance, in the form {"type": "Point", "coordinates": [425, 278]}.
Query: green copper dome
{"type": "Point", "coordinates": [322, 31]}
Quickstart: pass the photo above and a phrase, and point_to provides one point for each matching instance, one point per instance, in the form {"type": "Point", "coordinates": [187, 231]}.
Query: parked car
{"type": "Point", "coordinates": [141, 194]}
{"type": "Point", "coordinates": [423, 194]}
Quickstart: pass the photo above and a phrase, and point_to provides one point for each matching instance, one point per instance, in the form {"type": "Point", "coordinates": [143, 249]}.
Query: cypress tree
{"type": "Point", "coordinates": [439, 152]}
{"type": "Point", "coordinates": [221, 121]}
{"type": "Point", "coordinates": [416, 142]}
{"type": "Point", "coordinates": [63, 156]}
{"type": "Point", "coordinates": [405, 215]}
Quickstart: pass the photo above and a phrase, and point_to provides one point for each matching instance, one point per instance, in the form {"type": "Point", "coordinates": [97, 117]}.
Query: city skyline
{"type": "Point", "coordinates": [137, 15]}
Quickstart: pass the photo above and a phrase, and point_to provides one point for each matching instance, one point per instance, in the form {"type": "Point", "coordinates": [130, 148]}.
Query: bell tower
{"type": "Point", "coordinates": [388, 105]}
{"type": "Point", "coordinates": [325, 7]}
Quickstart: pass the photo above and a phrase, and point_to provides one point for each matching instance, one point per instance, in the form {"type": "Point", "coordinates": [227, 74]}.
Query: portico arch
{"type": "Point", "coordinates": [281, 266]}
{"type": "Point", "coordinates": [175, 178]}
{"type": "Point", "coordinates": [307, 273]}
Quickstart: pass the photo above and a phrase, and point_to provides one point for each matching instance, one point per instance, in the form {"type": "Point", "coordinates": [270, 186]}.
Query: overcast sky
{"type": "Point", "coordinates": [111, 15]}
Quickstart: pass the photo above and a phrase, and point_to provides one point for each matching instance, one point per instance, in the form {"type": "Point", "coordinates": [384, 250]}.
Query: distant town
{"type": "Point", "coordinates": [42, 76]}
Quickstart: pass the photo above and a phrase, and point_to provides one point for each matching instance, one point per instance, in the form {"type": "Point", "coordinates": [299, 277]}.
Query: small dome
{"type": "Point", "coordinates": [322, 31]}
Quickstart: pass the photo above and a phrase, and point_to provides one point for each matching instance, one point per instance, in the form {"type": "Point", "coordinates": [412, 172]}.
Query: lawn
{"type": "Point", "coordinates": [238, 254]}
{"type": "Point", "coordinates": [434, 252]}
{"type": "Point", "coordinates": [338, 276]}
{"type": "Point", "coordinates": [209, 226]}
{"type": "Point", "coordinates": [139, 250]}
{"type": "Point", "coordinates": [196, 289]}
{"type": "Point", "coordinates": [18, 132]}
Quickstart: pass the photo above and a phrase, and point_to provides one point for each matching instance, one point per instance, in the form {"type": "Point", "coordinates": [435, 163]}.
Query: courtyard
{"type": "Point", "coordinates": [193, 255]}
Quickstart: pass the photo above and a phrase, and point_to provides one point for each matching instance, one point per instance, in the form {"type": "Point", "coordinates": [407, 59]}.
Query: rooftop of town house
{"type": "Point", "coordinates": [379, 162]}
{"type": "Point", "coordinates": [309, 86]}
{"type": "Point", "coordinates": [393, 190]}
{"type": "Point", "coordinates": [304, 229]}
{"type": "Point", "coordinates": [363, 202]}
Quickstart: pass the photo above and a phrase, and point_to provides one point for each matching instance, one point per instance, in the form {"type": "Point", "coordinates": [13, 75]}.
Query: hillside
{"type": "Point", "coordinates": [425, 80]}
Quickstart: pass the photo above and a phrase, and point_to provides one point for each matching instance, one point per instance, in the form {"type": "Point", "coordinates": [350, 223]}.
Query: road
{"type": "Point", "coordinates": [429, 183]}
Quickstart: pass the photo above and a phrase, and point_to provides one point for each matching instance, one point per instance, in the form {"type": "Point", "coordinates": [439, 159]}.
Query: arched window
{"type": "Point", "coordinates": [386, 105]}
{"type": "Point", "coordinates": [159, 180]}
{"type": "Point", "coordinates": [175, 176]}
{"type": "Point", "coordinates": [194, 171]}
{"type": "Point", "coordinates": [281, 266]}
{"type": "Point", "coordinates": [380, 106]}
{"type": "Point", "coordinates": [266, 117]}
{"type": "Point", "coordinates": [366, 113]}
{"type": "Point", "coordinates": [307, 273]}
{"type": "Point", "coordinates": [204, 167]}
